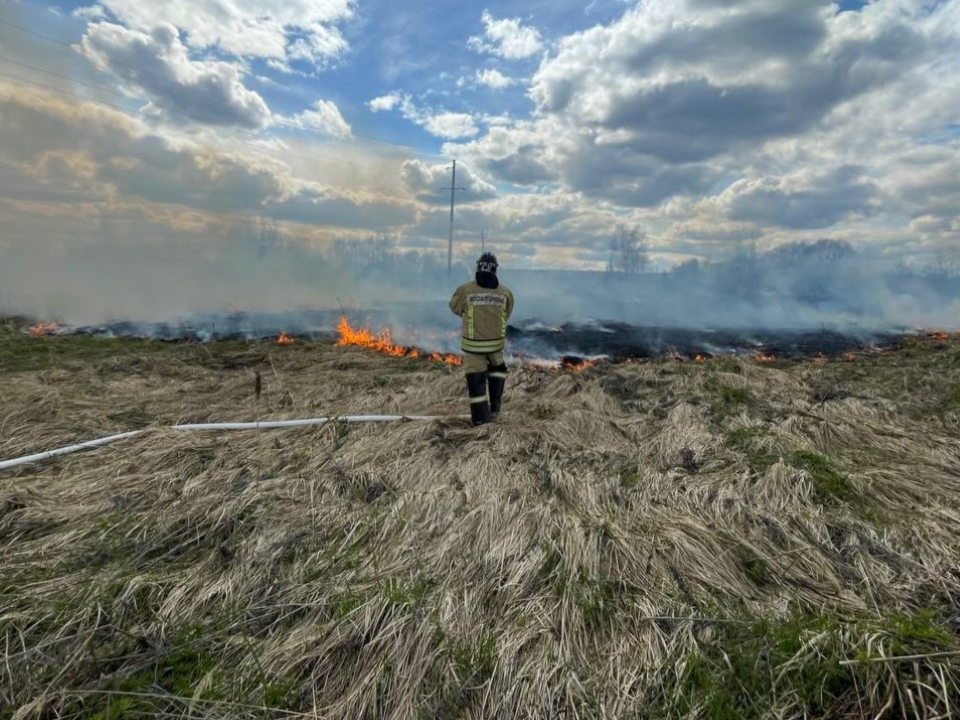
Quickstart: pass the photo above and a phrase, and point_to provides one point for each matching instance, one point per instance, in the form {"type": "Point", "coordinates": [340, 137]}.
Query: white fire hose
{"type": "Point", "coordinates": [270, 425]}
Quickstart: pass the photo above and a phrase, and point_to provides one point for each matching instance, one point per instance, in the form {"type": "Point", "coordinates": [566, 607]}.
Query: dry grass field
{"type": "Point", "coordinates": [722, 540]}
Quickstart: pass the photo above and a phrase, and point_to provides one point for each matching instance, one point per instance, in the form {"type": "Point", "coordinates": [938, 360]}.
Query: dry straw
{"type": "Point", "coordinates": [651, 540]}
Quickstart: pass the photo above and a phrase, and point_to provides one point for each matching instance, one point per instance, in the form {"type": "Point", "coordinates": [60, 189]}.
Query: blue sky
{"type": "Point", "coordinates": [421, 49]}
{"type": "Point", "coordinates": [704, 124]}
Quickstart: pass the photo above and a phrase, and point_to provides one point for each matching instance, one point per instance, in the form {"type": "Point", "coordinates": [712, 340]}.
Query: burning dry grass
{"type": "Point", "coordinates": [383, 342]}
{"type": "Point", "coordinates": [720, 540]}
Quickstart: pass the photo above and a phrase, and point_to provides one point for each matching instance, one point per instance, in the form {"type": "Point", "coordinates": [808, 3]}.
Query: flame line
{"type": "Point", "coordinates": [383, 342]}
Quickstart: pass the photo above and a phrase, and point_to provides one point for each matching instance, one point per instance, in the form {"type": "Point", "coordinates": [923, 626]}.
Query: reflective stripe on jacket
{"type": "Point", "coordinates": [485, 313]}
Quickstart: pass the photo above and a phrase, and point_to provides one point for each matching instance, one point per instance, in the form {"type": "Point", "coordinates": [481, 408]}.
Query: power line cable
{"type": "Point", "coordinates": [28, 66]}
{"type": "Point", "coordinates": [48, 193]}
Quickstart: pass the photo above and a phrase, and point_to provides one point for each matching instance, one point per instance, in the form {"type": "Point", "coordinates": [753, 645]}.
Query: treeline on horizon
{"type": "Point", "coordinates": [818, 271]}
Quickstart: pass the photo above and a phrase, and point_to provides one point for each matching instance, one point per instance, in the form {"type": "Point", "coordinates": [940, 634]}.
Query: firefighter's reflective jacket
{"type": "Point", "coordinates": [485, 312]}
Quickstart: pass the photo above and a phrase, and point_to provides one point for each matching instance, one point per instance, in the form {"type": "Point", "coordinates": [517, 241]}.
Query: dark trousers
{"type": "Point", "coordinates": [485, 387]}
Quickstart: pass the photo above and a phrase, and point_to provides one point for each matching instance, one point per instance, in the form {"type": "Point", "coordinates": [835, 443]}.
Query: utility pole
{"type": "Point", "coordinates": [453, 196]}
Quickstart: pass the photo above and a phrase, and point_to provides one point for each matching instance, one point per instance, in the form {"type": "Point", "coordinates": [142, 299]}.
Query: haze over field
{"type": "Point", "coordinates": [157, 162]}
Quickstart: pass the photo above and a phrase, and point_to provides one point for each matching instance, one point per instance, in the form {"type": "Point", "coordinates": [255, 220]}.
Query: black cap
{"type": "Point", "coordinates": [487, 263]}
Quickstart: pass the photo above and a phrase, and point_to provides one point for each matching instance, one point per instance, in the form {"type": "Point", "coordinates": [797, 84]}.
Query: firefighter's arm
{"type": "Point", "coordinates": [456, 303]}
{"type": "Point", "coordinates": [509, 304]}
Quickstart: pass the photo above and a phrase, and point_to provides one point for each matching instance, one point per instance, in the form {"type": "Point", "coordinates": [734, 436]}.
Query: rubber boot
{"type": "Point", "coordinates": [496, 379]}
{"type": "Point", "coordinates": [479, 405]}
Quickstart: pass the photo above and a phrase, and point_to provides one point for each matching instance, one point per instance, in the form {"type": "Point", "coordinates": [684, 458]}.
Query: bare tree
{"type": "Point", "coordinates": [380, 255]}
{"type": "Point", "coordinates": [364, 254]}
{"type": "Point", "coordinates": [687, 270]}
{"type": "Point", "coordinates": [629, 251]}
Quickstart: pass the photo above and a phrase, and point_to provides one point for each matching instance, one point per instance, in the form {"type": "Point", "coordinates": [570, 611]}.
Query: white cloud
{"type": "Point", "coordinates": [325, 117]}
{"type": "Point", "coordinates": [925, 183]}
{"type": "Point", "coordinates": [497, 120]}
{"type": "Point", "coordinates": [94, 12]}
{"type": "Point", "coordinates": [281, 30]}
{"type": "Point", "coordinates": [440, 123]}
{"type": "Point", "coordinates": [506, 38]}
{"type": "Point", "coordinates": [450, 125]}
{"type": "Point", "coordinates": [706, 122]}
{"type": "Point", "coordinates": [798, 114]}
{"type": "Point", "coordinates": [426, 182]}
{"type": "Point", "coordinates": [808, 199]}
{"type": "Point", "coordinates": [492, 78]}
{"type": "Point", "coordinates": [157, 65]}
{"type": "Point", "coordinates": [385, 102]}
{"type": "Point", "coordinates": [84, 149]}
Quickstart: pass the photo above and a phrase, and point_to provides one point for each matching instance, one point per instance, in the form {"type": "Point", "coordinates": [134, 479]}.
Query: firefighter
{"type": "Point", "coordinates": [485, 305]}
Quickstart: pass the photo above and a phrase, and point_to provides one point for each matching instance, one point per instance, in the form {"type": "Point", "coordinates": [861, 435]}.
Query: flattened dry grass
{"type": "Point", "coordinates": [726, 540]}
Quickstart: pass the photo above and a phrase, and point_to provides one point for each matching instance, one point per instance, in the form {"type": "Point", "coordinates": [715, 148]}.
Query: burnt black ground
{"type": "Point", "coordinates": [620, 341]}
{"type": "Point", "coordinates": [615, 340]}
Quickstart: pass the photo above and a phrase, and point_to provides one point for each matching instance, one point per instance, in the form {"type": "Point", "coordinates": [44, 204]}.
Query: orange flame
{"type": "Point", "coordinates": [445, 358]}
{"type": "Point", "coordinates": [285, 339]}
{"type": "Point", "coordinates": [576, 364]}
{"type": "Point", "coordinates": [849, 357]}
{"type": "Point", "coordinates": [761, 358]}
{"type": "Point", "coordinates": [383, 343]}
{"type": "Point", "coordinates": [699, 358]}
{"type": "Point", "coordinates": [43, 328]}
{"type": "Point", "coordinates": [938, 335]}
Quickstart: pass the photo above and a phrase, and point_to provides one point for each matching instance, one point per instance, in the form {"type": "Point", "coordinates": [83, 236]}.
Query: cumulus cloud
{"type": "Point", "coordinates": [157, 64]}
{"type": "Point", "coordinates": [693, 85]}
{"type": "Point", "coordinates": [792, 118]}
{"type": "Point", "coordinates": [87, 148]}
{"type": "Point", "coordinates": [804, 200]}
{"type": "Point", "coordinates": [450, 125]}
{"type": "Point", "coordinates": [494, 79]}
{"type": "Point", "coordinates": [385, 102]}
{"type": "Point", "coordinates": [506, 38]}
{"type": "Point", "coordinates": [925, 187]}
{"type": "Point", "coordinates": [706, 123]}
{"type": "Point", "coordinates": [93, 12]}
{"type": "Point", "coordinates": [426, 182]}
{"type": "Point", "coordinates": [516, 152]}
{"type": "Point", "coordinates": [324, 118]}
{"type": "Point", "coordinates": [929, 181]}
{"type": "Point", "coordinates": [522, 168]}
{"type": "Point", "coordinates": [282, 30]}
{"type": "Point", "coordinates": [314, 204]}
{"type": "Point", "coordinates": [440, 123]}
